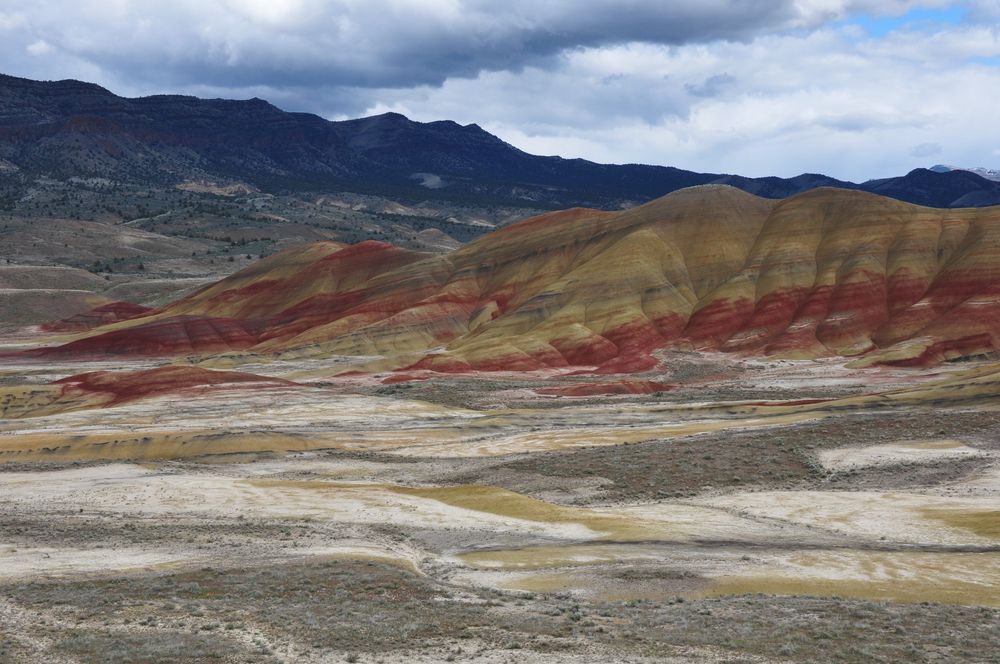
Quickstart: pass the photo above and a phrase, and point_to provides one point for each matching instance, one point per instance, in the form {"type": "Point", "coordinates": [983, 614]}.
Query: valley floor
{"type": "Point", "coordinates": [736, 511]}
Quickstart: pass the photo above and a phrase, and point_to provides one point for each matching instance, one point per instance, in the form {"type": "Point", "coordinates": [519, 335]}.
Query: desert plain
{"type": "Point", "coordinates": [756, 510]}
{"type": "Point", "coordinates": [587, 437]}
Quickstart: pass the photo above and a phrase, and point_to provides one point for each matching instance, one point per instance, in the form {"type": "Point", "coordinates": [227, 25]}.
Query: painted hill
{"type": "Point", "coordinates": [828, 272]}
{"type": "Point", "coordinates": [98, 389]}
{"type": "Point", "coordinates": [71, 130]}
{"type": "Point", "coordinates": [111, 312]}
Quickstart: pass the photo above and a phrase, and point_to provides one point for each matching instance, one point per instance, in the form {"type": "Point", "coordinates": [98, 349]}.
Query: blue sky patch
{"type": "Point", "coordinates": [918, 19]}
{"type": "Point", "coordinates": [988, 60]}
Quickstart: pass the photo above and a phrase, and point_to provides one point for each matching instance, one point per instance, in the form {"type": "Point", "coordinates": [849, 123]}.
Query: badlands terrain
{"type": "Point", "coordinates": [713, 428]}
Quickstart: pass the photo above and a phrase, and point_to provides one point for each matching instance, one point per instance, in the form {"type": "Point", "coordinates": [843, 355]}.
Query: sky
{"type": "Point", "coordinates": [856, 89]}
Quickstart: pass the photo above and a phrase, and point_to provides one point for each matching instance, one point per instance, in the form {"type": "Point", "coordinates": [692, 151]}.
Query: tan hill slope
{"type": "Point", "coordinates": [828, 272]}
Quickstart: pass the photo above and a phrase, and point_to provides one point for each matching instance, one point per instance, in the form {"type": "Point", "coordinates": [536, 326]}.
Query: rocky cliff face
{"type": "Point", "coordinates": [828, 272]}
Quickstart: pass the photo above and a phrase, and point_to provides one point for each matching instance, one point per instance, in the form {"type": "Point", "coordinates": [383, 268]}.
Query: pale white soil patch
{"type": "Point", "coordinates": [130, 489]}
{"type": "Point", "coordinates": [887, 517]}
{"type": "Point", "coordinates": [928, 451]}
{"type": "Point", "coordinates": [69, 562]}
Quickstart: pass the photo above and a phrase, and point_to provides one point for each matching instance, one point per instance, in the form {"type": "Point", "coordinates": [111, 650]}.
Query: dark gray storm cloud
{"type": "Point", "coordinates": [351, 44]}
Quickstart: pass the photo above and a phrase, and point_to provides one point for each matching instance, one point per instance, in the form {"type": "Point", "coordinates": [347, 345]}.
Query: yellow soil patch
{"type": "Point", "coordinates": [546, 583]}
{"type": "Point", "coordinates": [506, 503]}
{"type": "Point", "coordinates": [502, 503]}
{"type": "Point", "coordinates": [951, 578]}
{"type": "Point", "coordinates": [554, 556]}
{"type": "Point", "coordinates": [39, 400]}
{"type": "Point", "coordinates": [985, 523]}
{"type": "Point", "coordinates": [373, 555]}
{"type": "Point", "coordinates": [602, 588]}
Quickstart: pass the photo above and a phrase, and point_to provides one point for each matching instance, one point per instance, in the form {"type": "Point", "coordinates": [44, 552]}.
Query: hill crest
{"type": "Point", "coordinates": [827, 272]}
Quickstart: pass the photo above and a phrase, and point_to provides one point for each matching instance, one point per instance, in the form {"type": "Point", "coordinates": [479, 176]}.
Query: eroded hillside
{"type": "Point", "coordinates": [826, 273]}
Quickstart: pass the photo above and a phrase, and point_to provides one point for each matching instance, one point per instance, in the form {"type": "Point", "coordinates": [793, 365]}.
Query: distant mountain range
{"type": "Point", "coordinates": [67, 129]}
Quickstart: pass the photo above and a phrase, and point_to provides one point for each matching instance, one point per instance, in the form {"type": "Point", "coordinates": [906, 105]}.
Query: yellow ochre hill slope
{"type": "Point", "coordinates": [827, 272]}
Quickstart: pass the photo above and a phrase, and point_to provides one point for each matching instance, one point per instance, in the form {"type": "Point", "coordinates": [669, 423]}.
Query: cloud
{"type": "Point", "coordinates": [712, 86]}
{"type": "Point", "coordinates": [40, 47]}
{"type": "Point", "coordinates": [785, 104]}
{"type": "Point", "coordinates": [383, 43]}
{"type": "Point", "coordinates": [751, 86]}
{"type": "Point", "coordinates": [926, 150]}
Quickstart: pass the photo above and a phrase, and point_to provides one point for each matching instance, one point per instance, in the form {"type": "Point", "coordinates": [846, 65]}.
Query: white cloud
{"type": "Point", "coordinates": [40, 47]}
{"type": "Point", "coordinates": [761, 87]}
{"type": "Point", "coordinates": [819, 102]}
{"type": "Point", "coordinates": [813, 12]}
